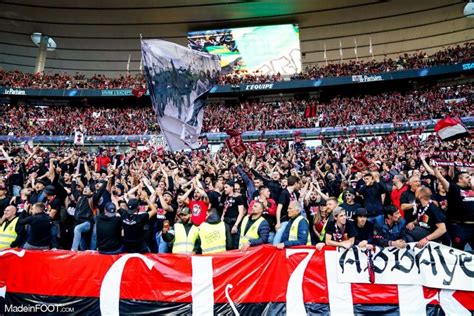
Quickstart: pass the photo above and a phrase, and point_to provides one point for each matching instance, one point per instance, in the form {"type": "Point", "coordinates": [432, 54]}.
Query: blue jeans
{"type": "Point", "coordinates": [54, 235]}
{"type": "Point", "coordinates": [279, 233]}
{"type": "Point", "coordinates": [271, 237]}
{"type": "Point", "coordinates": [16, 190]}
{"type": "Point", "coordinates": [94, 236]}
{"type": "Point", "coordinates": [78, 240]}
{"type": "Point", "coordinates": [163, 246]}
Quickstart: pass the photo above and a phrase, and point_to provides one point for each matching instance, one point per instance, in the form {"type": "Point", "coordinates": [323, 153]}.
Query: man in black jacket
{"type": "Point", "coordinates": [134, 222]}
{"type": "Point", "coordinates": [40, 223]}
{"type": "Point", "coordinates": [83, 215]}
{"type": "Point", "coordinates": [273, 184]}
{"type": "Point", "coordinates": [109, 231]}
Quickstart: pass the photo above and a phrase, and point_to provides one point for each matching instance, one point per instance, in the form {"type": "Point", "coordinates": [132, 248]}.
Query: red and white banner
{"type": "Point", "coordinates": [261, 281]}
{"type": "Point", "coordinates": [450, 128]}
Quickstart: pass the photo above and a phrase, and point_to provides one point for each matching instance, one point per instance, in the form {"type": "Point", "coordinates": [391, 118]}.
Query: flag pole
{"type": "Point", "coordinates": [371, 50]}
{"type": "Point", "coordinates": [141, 55]}
{"type": "Point", "coordinates": [355, 49]}
{"type": "Point", "coordinates": [340, 50]}
{"type": "Point", "coordinates": [128, 64]}
{"type": "Point", "coordinates": [325, 55]}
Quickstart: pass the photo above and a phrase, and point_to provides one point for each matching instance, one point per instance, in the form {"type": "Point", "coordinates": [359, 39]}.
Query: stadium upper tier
{"type": "Point", "coordinates": [450, 55]}
{"type": "Point", "coordinates": [436, 102]}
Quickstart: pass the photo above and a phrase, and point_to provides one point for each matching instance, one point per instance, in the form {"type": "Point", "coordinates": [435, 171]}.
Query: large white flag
{"type": "Point", "coordinates": [178, 79]}
{"type": "Point", "coordinates": [78, 138]}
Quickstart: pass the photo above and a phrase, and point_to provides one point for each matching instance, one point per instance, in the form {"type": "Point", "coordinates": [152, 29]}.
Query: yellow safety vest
{"type": "Point", "coordinates": [183, 243]}
{"type": "Point", "coordinates": [323, 232]}
{"type": "Point", "coordinates": [8, 233]}
{"type": "Point", "coordinates": [252, 232]}
{"type": "Point", "coordinates": [294, 230]}
{"type": "Point", "coordinates": [213, 237]}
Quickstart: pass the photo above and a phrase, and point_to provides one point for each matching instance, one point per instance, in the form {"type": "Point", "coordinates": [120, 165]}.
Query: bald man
{"type": "Point", "coordinates": [8, 228]}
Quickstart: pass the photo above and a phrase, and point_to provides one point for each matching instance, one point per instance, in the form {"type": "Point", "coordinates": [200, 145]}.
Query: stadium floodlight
{"type": "Point", "coordinates": [469, 10]}
{"type": "Point", "coordinates": [36, 39]}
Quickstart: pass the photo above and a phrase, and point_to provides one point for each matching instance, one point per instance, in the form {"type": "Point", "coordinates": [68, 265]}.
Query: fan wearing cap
{"type": "Point", "coordinates": [109, 230]}
{"type": "Point", "coordinates": [87, 201]}
{"type": "Point", "coordinates": [52, 202]}
{"type": "Point", "coordinates": [38, 186]}
{"type": "Point", "coordinates": [341, 232]}
{"type": "Point", "coordinates": [53, 206]}
{"type": "Point", "coordinates": [184, 233]}
{"type": "Point", "coordinates": [349, 205]}
{"type": "Point", "coordinates": [133, 224]}
{"type": "Point", "coordinates": [364, 229]}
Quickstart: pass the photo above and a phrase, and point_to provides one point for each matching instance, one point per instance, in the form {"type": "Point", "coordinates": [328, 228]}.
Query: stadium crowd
{"type": "Point", "coordinates": [390, 107]}
{"type": "Point", "coordinates": [374, 192]}
{"type": "Point", "coordinates": [22, 80]}
{"type": "Point", "coordinates": [450, 55]}
{"type": "Point", "coordinates": [25, 120]}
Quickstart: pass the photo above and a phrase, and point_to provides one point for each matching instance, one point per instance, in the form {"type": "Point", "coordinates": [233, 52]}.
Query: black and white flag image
{"type": "Point", "coordinates": [178, 80]}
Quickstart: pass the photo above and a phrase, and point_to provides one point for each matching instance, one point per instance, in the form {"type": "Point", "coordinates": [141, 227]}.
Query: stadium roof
{"type": "Point", "coordinates": [98, 36]}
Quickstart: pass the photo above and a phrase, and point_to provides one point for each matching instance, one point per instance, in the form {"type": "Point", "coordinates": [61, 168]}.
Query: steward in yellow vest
{"type": "Point", "coordinates": [214, 235]}
{"type": "Point", "coordinates": [254, 229]}
{"type": "Point", "coordinates": [297, 231]}
{"type": "Point", "coordinates": [185, 234]}
{"type": "Point", "coordinates": [8, 232]}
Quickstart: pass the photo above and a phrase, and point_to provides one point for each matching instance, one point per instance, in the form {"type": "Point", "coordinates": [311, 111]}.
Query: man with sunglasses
{"type": "Point", "coordinates": [349, 205]}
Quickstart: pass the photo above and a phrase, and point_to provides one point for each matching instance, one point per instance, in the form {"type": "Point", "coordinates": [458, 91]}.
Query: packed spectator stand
{"type": "Point", "coordinates": [27, 120]}
{"type": "Point", "coordinates": [375, 192]}
{"type": "Point", "coordinates": [76, 188]}
{"type": "Point", "coordinates": [388, 107]}
{"type": "Point", "coordinates": [450, 55]}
